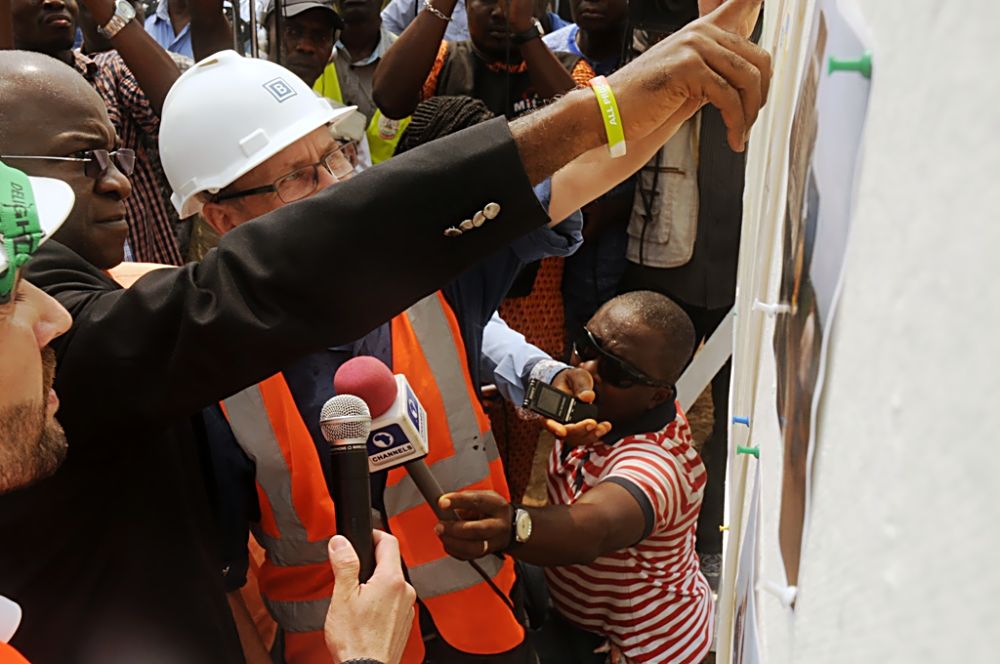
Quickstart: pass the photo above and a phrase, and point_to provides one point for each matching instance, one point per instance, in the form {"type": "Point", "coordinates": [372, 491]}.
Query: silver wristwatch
{"type": "Point", "coordinates": [124, 12]}
{"type": "Point", "coordinates": [520, 526]}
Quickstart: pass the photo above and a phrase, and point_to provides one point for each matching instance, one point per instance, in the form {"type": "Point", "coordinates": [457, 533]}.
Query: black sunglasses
{"type": "Point", "coordinates": [614, 370]}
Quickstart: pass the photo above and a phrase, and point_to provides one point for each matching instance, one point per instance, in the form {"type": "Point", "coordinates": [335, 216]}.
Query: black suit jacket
{"type": "Point", "coordinates": [113, 559]}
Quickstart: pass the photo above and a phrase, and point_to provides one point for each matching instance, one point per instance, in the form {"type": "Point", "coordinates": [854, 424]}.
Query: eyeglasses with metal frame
{"type": "Point", "coordinates": [340, 163]}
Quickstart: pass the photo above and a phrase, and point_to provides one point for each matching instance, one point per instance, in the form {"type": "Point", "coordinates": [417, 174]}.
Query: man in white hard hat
{"type": "Point", "coordinates": [139, 363]}
{"type": "Point", "coordinates": [243, 470]}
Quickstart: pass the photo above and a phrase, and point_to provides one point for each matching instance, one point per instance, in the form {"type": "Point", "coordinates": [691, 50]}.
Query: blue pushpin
{"type": "Point", "coordinates": [745, 421]}
{"type": "Point", "coordinates": [862, 65]}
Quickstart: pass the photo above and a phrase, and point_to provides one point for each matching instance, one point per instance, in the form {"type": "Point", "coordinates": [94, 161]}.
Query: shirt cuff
{"type": "Point", "coordinates": [546, 370]}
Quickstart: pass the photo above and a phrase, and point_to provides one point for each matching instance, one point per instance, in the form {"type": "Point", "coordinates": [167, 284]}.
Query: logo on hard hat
{"type": "Point", "coordinates": [279, 89]}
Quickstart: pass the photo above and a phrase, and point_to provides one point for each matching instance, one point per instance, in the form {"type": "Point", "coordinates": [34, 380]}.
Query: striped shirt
{"type": "Point", "coordinates": [650, 599]}
{"type": "Point", "coordinates": [150, 230]}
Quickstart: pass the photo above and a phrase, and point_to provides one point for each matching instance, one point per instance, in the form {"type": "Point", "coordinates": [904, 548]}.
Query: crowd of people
{"type": "Point", "coordinates": [480, 194]}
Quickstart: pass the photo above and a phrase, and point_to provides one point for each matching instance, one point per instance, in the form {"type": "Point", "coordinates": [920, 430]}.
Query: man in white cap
{"type": "Point", "coordinates": [32, 444]}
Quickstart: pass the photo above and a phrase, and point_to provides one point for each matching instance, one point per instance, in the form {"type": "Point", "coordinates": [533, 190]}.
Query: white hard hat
{"type": "Point", "coordinates": [228, 114]}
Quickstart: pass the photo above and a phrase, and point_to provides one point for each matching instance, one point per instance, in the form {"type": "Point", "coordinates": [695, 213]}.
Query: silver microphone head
{"type": "Point", "coordinates": [345, 417]}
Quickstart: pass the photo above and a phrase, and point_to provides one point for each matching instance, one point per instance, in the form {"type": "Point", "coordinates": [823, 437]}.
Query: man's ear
{"type": "Point", "coordinates": [219, 217]}
{"type": "Point", "coordinates": [659, 396]}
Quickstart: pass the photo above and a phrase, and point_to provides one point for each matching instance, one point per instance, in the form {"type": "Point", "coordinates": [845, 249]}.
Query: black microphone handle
{"type": "Point", "coordinates": [352, 499]}
{"type": "Point", "coordinates": [429, 488]}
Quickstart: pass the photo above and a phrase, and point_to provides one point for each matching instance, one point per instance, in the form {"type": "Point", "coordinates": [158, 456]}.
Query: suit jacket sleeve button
{"type": "Point", "coordinates": [491, 210]}
{"type": "Point", "coordinates": [466, 225]}
{"type": "Point", "coordinates": [452, 232]}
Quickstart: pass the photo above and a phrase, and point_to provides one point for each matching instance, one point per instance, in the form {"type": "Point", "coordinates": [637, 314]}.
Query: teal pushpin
{"type": "Point", "coordinates": [745, 421]}
{"type": "Point", "coordinates": [755, 451]}
{"type": "Point", "coordinates": [862, 65]}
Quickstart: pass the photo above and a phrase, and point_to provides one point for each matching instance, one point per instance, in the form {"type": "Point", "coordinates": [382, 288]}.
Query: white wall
{"type": "Point", "coordinates": [902, 560]}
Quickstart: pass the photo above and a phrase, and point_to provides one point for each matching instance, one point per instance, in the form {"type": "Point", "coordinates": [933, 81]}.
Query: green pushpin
{"type": "Point", "coordinates": [862, 65]}
{"type": "Point", "coordinates": [755, 451]}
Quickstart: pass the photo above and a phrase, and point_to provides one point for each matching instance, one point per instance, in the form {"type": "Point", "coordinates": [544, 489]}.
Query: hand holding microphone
{"type": "Point", "coordinates": [487, 524]}
{"type": "Point", "coordinates": [399, 433]}
{"type": "Point", "coordinates": [372, 619]}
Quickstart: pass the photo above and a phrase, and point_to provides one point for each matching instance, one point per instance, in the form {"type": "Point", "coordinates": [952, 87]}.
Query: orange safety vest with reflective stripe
{"type": "Point", "coordinates": [297, 513]}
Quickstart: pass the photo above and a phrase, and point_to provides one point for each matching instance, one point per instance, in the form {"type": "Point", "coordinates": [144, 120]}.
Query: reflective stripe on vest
{"type": "Point", "coordinates": [301, 616]}
{"type": "Point", "coordinates": [383, 133]}
{"type": "Point", "coordinates": [252, 427]}
{"type": "Point", "coordinates": [427, 347]}
{"type": "Point", "coordinates": [297, 514]}
{"type": "Point", "coordinates": [292, 493]}
{"type": "Point", "coordinates": [463, 469]}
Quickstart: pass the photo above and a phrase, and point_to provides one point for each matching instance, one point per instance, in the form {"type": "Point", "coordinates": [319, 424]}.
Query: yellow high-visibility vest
{"type": "Point", "coordinates": [383, 133]}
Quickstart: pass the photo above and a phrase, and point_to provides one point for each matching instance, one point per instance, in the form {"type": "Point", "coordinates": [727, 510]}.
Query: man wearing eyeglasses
{"type": "Point", "coordinates": [617, 539]}
{"type": "Point", "coordinates": [95, 166]}
{"type": "Point", "coordinates": [243, 470]}
{"type": "Point", "coordinates": [132, 82]}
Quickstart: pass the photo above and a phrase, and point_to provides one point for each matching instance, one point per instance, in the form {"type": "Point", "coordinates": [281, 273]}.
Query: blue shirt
{"type": "Point", "coordinates": [400, 13]}
{"type": "Point", "coordinates": [474, 298]}
{"type": "Point", "coordinates": [162, 31]}
{"type": "Point", "coordinates": [563, 40]}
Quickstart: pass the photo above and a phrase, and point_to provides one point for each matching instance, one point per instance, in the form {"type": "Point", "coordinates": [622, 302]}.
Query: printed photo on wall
{"type": "Point", "coordinates": [825, 140]}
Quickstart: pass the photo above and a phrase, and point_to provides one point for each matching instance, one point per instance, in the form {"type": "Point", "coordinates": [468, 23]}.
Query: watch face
{"type": "Point", "coordinates": [125, 10]}
{"type": "Point", "coordinates": [522, 526]}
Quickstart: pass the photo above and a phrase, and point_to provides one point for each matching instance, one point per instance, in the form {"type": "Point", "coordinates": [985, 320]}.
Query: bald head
{"type": "Point", "coordinates": [47, 109]}
{"type": "Point", "coordinates": [659, 327]}
{"type": "Point", "coordinates": [39, 96]}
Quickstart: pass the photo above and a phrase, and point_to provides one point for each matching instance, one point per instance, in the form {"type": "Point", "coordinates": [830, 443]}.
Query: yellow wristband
{"type": "Point", "coordinates": [609, 112]}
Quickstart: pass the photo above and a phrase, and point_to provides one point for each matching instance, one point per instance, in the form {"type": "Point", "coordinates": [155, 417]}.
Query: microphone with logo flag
{"type": "Point", "coordinates": [346, 422]}
{"type": "Point", "coordinates": [398, 432]}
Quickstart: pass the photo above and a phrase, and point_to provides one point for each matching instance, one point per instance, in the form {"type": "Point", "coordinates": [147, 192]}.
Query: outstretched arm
{"type": "Point", "coordinates": [400, 75]}
{"type": "Point", "coordinates": [153, 68]}
{"type": "Point", "coordinates": [547, 74]}
{"type": "Point", "coordinates": [205, 330]}
{"type": "Point", "coordinates": [738, 83]}
{"type": "Point", "coordinates": [210, 29]}
{"type": "Point", "coordinates": [705, 62]}
{"type": "Point", "coordinates": [607, 518]}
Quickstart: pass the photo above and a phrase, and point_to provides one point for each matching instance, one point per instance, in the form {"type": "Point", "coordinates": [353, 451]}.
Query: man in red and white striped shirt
{"type": "Point", "coordinates": [617, 539]}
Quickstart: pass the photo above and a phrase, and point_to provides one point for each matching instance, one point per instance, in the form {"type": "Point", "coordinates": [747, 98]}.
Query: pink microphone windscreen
{"type": "Point", "coordinates": [368, 378]}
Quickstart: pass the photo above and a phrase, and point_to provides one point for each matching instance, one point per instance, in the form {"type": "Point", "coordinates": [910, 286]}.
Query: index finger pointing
{"type": "Point", "coordinates": [736, 15]}
{"type": "Point", "coordinates": [483, 502]}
